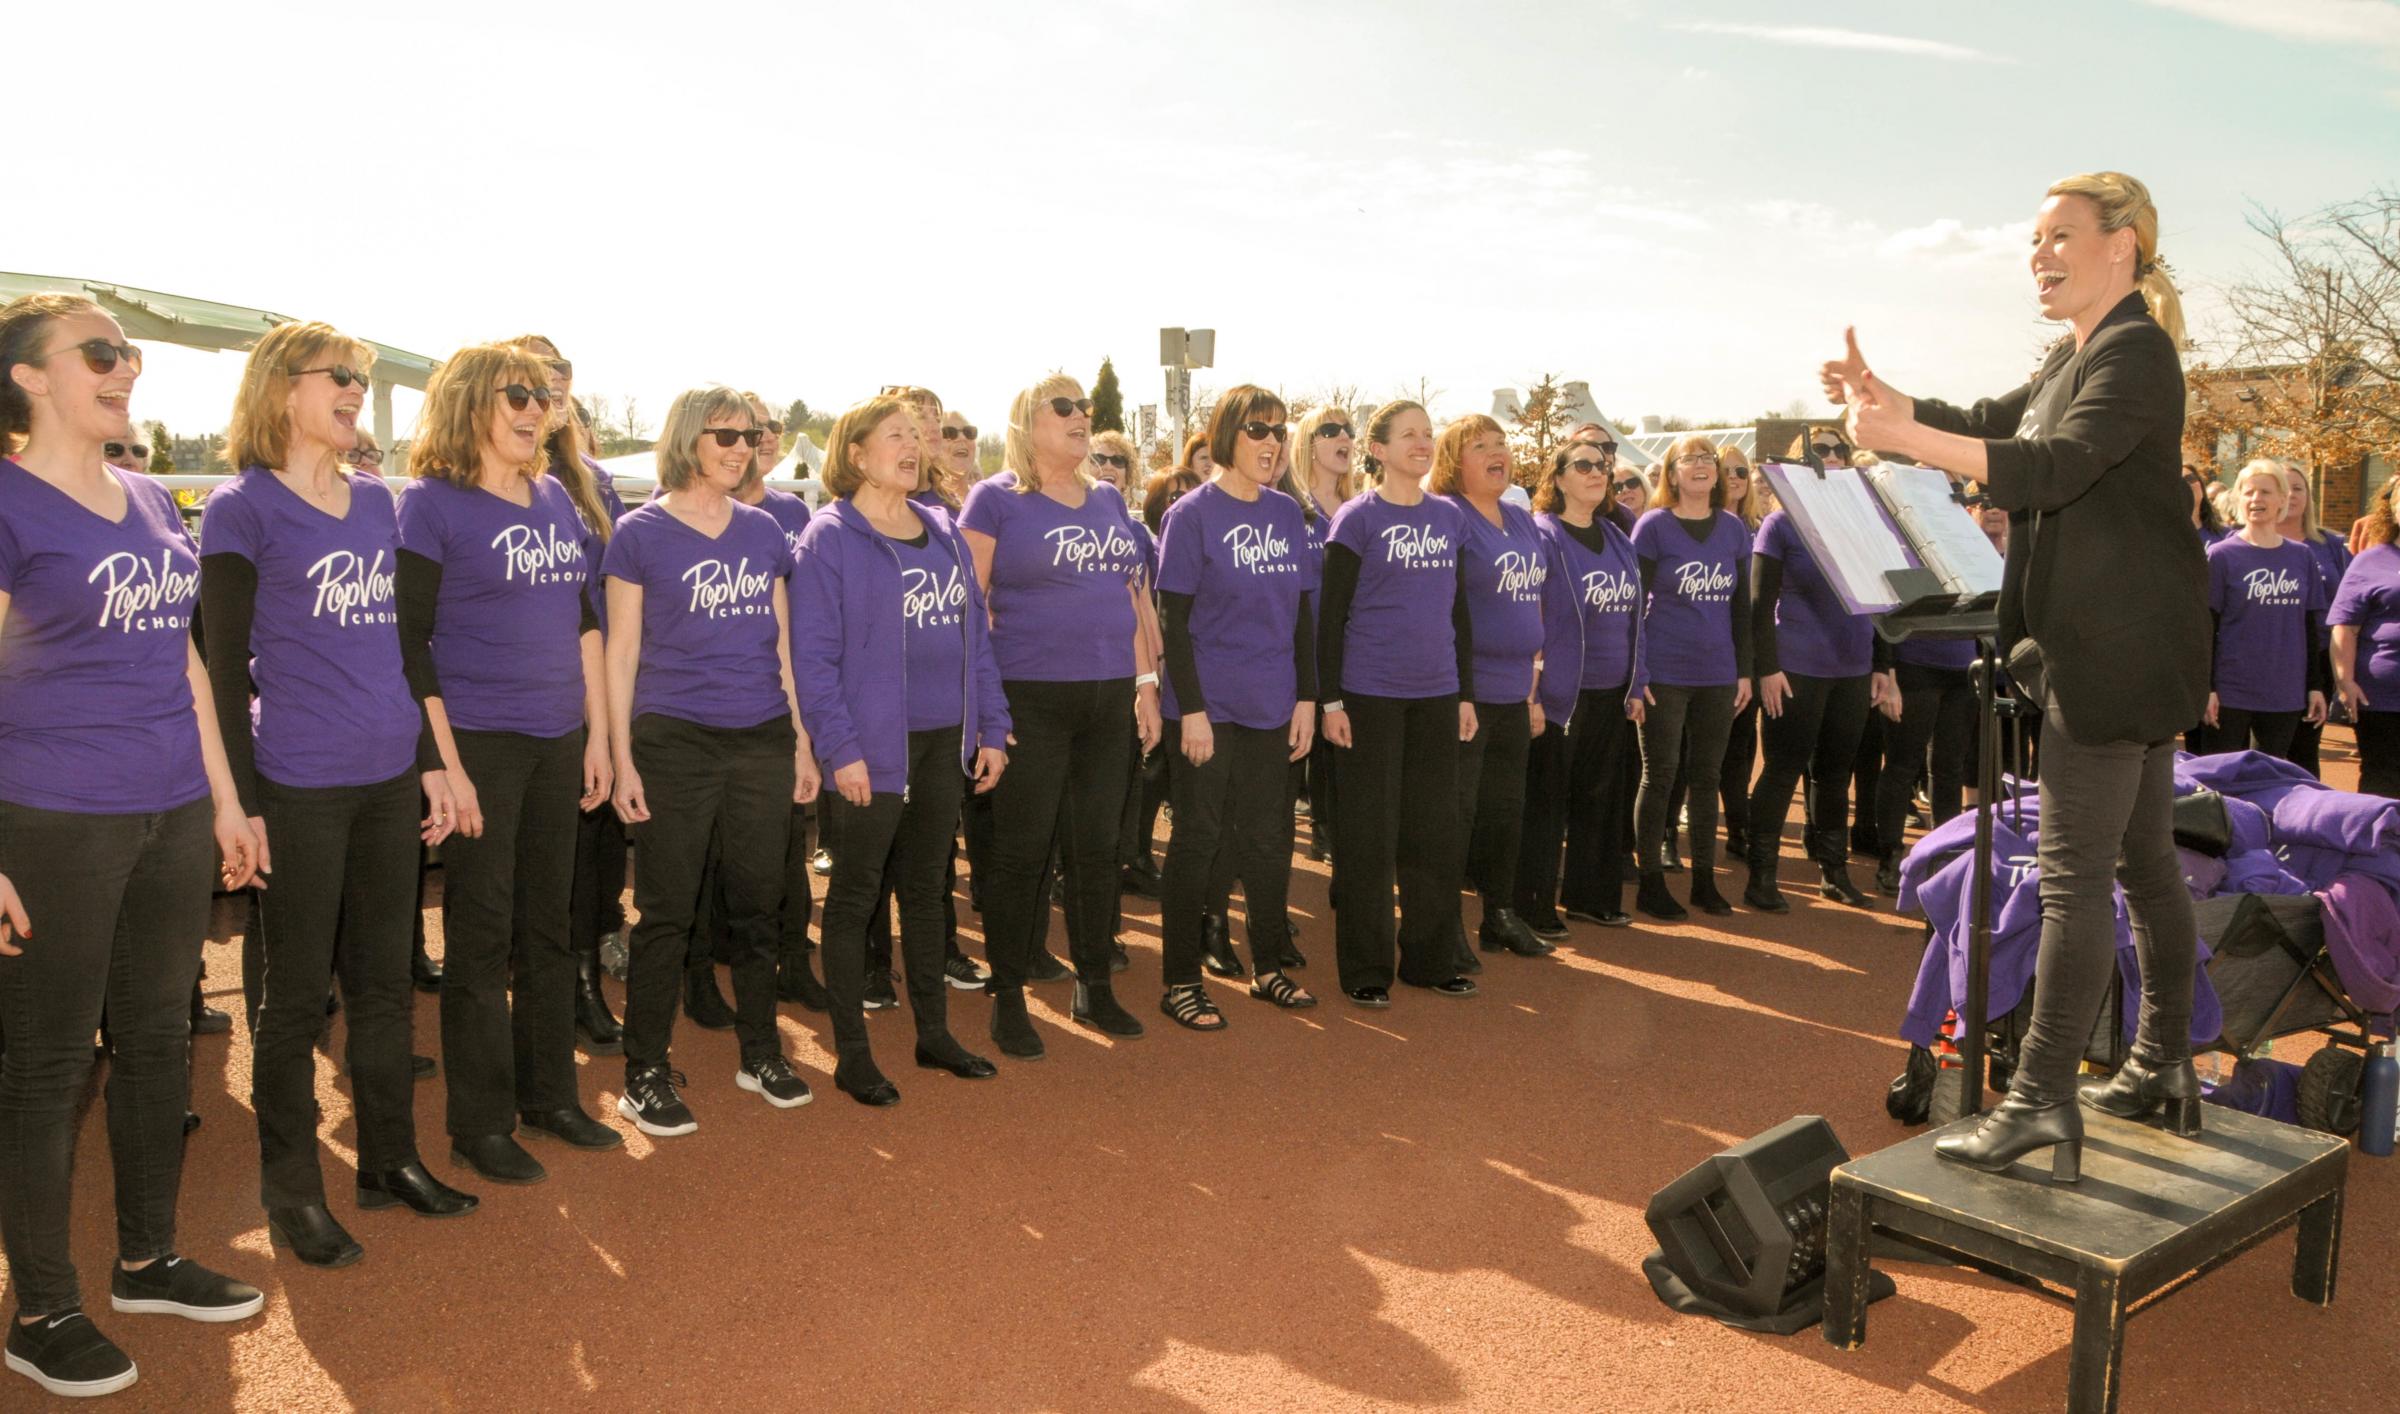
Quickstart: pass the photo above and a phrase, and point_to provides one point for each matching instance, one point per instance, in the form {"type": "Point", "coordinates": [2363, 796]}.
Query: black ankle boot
{"type": "Point", "coordinates": [1096, 1006]}
{"type": "Point", "coordinates": [1651, 897]}
{"type": "Point", "coordinates": [2019, 1126]}
{"type": "Point", "coordinates": [702, 1002]}
{"type": "Point", "coordinates": [1887, 875]}
{"type": "Point", "coordinates": [1216, 949]}
{"type": "Point", "coordinates": [602, 1035]}
{"type": "Point", "coordinates": [1704, 891]}
{"type": "Point", "coordinates": [796, 981]}
{"type": "Point", "coordinates": [2143, 1086]}
{"type": "Point", "coordinates": [1012, 1029]}
{"type": "Point", "coordinates": [1762, 892]}
{"type": "Point", "coordinates": [1837, 885]}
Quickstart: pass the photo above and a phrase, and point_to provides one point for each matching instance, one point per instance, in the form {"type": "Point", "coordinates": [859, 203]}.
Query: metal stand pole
{"type": "Point", "coordinates": [1973, 1023]}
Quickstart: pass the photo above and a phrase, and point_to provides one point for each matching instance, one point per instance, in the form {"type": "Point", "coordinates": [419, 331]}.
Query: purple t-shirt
{"type": "Point", "coordinates": [1399, 642]}
{"type": "Point", "coordinates": [95, 701]}
{"type": "Point", "coordinates": [933, 621]}
{"type": "Point", "coordinates": [790, 512]}
{"type": "Point", "coordinates": [2332, 554]}
{"type": "Point", "coordinates": [1687, 622]}
{"type": "Point", "coordinates": [333, 704]}
{"type": "Point", "coordinates": [1606, 584]}
{"type": "Point", "coordinates": [2263, 599]}
{"type": "Point", "coordinates": [1060, 608]}
{"type": "Point", "coordinates": [507, 627]}
{"type": "Point", "coordinates": [708, 615]}
{"type": "Point", "coordinates": [2369, 600]}
{"type": "Point", "coordinates": [1504, 574]}
{"type": "Point", "coordinates": [1246, 565]}
{"type": "Point", "coordinates": [1815, 633]}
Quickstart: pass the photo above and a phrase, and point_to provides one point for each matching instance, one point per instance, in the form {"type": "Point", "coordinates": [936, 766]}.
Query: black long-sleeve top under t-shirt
{"type": "Point", "coordinates": [1339, 585]}
{"type": "Point", "coordinates": [1743, 629]}
{"type": "Point", "coordinates": [1183, 662]}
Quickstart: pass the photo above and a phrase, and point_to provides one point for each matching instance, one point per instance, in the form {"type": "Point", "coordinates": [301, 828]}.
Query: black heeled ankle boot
{"type": "Point", "coordinates": [1838, 887]}
{"type": "Point", "coordinates": [1216, 949]}
{"type": "Point", "coordinates": [1887, 875]}
{"type": "Point", "coordinates": [602, 1035]}
{"type": "Point", "coordinates": [1012, 1029]}
{"type": "Point", "coordinates": [2020, 1125]}
{"type": "Point", "coordinates": [1762, 892]}
{"type": "Point", "coordinates": [1651, 897]}
{"type": "Point", "coordinates": [1096, 1006]}
{"type": "Point", "coordinates": [1704, 891]}
{"type": "Point", "coordinates": [2144, 1086]}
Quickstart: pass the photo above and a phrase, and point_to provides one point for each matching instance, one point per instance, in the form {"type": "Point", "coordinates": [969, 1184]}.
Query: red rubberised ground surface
{"type": "Point", "coordinates": [1436, 1205]}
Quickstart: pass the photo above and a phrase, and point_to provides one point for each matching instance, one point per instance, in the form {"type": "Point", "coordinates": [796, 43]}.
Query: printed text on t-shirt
{"type": "Point", "coordinates": [137, 596]}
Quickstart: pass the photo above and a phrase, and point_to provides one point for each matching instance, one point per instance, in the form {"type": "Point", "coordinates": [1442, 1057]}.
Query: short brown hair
{"type": "Point", "coordinates": [1246, 402]}
{"type": "Point", "coordinates": [1663, 495]}
{"type": "Point", "coordinates": [1453, 445]}
{"type": "Point", "coordinates": [679, 439]}
{"type": "Point", "coordinates": [459, 400]}
{"type": "Point", "coordinates": [842, 474]}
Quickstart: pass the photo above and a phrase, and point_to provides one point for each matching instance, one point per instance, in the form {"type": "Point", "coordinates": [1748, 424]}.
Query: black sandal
{"type": "Point", "coordinates": [1188, 1006]}
{"type": "Point", "coordinates": [1282, 991]}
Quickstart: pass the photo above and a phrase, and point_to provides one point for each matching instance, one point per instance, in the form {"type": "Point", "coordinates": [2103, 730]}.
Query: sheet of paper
{"type": "Point", "coordinates": [1856, 537]}
{"type": "Point", "coordinates": [1946, 533]}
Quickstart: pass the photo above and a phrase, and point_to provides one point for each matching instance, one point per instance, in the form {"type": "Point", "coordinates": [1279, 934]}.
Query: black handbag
{"type": "Point", "coordinates": [2201, 823]}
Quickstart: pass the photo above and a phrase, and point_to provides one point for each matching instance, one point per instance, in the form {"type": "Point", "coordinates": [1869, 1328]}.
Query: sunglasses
{"type": "Point", "coordinates": [1630, 483]}
{"type": "Point", "coordinates": [343, 374]}
{"type": "Point", "coordinates": [1829, 449]}
{"type": "Point", "coordinates": [124, 451]}
{"type": "Point", "coordinates": [99, 355]}
{"type": "Point", "coordinates": [1261, 431]}
{"type": "Point", "coordinates": [952, 434]}
{"type": "Point", "coordinates": [1606, 449]}
{"type": "Point", "coordinates": [1333, 429]}
{"type": "Point", "coordinates": [1121, 463]}
{"type": "Point", "coordinates": [563, 367]}
{"type": "Point", "coordinates": [519, 395]}
{"type": "Point", "coordinates": [727, 436]}
{"type": "Point", "coordinates": [1068, 407]}
{"type": "Point", "coordinates": [1587, 466]}
{"type": "Point", "coordinates": [1738, 473]}
{"type": "Point", "coordinates": [775, 425]}
{"type": "Point", "coordinates": [364, 456]}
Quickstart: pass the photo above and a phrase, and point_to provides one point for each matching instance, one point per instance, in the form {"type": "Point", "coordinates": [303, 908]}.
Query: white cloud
{"type": "Point", "coordinates": [1826, 37]}
{"type": "Point", "coordinates": [2375, 23]}
{"type": "Point", "coordinates": [1949, 240]}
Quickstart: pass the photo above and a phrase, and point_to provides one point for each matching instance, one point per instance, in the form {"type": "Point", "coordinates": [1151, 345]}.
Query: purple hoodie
{"type": "Point", "coordinates": [847, 664]}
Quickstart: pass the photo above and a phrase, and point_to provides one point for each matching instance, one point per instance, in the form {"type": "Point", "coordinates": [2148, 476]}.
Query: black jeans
{"type": "Point", "coordinates": [1233, 816]}
{"type": "Point", "coordinates": [734, 783]}
{"type": "Point", "coordinates": [2238, 729]}
{"type": "Point", "coordinates": [597, 906]}
{"type": "Point", "coordinates": [1733, 777]}
{"type": "Point", "coordinates": [119, 905]}
{"type": "Point", "coordinates": [2107, 819]}
{"type": "Point", "coordinates": [1491, 798]}
{"type": "Point", "coordinates": [1575, 792]}
{"type": "Point", "coordinates": [1816, 738]}
{"type": "Point", "coordinates": [1937, 707]}
{"type": "Point", "coordinates": [2378, 753]}
{"type": "Point", "coordinates": [1704, 716]}
{"type": "Point", "coordinates": [712, 929]}
{"type": "Point", "coordinates": [1065, 781]}
{"type": "Point", "coordinates": [895, 841]}
{"type": "Point", "coordinates": [508, 967]}
{"type": "Point", "coordinates": [1399, 803]}
{"type": "Point", "coordinates": [346, 871]}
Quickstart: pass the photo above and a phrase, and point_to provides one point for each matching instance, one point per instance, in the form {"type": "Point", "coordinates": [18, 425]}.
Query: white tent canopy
{"type": "Point", "coordinates": [1508, 404]}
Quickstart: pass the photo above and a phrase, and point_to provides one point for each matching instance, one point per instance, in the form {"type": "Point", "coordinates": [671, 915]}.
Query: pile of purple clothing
{"type": "Point", "coordinates": [2290, 834]}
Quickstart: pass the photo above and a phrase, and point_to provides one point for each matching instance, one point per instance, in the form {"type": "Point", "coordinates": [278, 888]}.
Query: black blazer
{"type": "Point", "coordinates": [2104, 571]}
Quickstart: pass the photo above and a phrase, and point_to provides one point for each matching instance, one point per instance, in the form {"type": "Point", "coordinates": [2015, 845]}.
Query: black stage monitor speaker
{"type": "Point", "coordinates": [1745, 1231]}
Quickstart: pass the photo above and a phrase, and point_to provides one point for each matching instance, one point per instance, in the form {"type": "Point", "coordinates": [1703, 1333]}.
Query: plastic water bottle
{"type": "Point", "coordinates": [2379, 1100]}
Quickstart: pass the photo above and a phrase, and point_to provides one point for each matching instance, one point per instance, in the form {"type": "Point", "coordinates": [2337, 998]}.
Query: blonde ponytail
{"type": "Point", "coordinates": [2124, 202]}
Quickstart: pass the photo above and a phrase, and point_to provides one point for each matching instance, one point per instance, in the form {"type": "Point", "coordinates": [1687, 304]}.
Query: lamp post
{"type": "Point", "coordinates": [1179, 352]}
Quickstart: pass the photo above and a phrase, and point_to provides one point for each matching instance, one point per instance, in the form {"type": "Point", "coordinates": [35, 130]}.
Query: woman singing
{"type": "Point", "coordinates": [2106, 577]}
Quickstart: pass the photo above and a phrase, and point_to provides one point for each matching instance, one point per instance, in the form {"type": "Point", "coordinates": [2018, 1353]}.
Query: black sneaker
{"type": "Point", "coordinates": [66, 1355]}
{"type": "Point", "coordinates": [965, 973]}
{"type": "Point", "coordinates": [651, 1103]}
{"type": "Point", "coordinates": [879, 994]}
{"type": "Point", "coordinates": [172, 1286]}
{"type": "Point", "coordinates": [771, 1079]}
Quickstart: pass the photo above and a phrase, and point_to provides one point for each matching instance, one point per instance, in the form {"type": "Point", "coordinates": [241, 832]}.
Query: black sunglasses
{"type": "Point", "coordinates": [124, 451]}
{"type": "Point", "coordinates": [1121, 463]}
{"type": "Point", "coordinates": [727, 436]}
{"type": "Point", "coordinates": [519, 395]}
{"type": "Point", "coordinates": [1630, 483]}
{"type": "Point", "coordinates": [1333, 429]}
{"type": "Point", "coordinates": [1606, 449]}
{"type": "Point", "coordinates": [952, 434]}
{"type": "Point", "coordinates": [99, 355]}
{"type": "Point", "coordinates": [364, 456]}
{"type": "Point", "coordinates": [1588, 466]}
{"type": "Point", "coordinates": [343, 374]}
{"type": "Point", "coordinates": [1828, 449]}
{"type": "Point", "coordinates": [1738, 473]}
{"type": "Point", "coordinates": [1261, 431]}
{"type": "Point", "coordinates": [1068, 407]}
{"type": "Point", "coordinates": [563, 367]}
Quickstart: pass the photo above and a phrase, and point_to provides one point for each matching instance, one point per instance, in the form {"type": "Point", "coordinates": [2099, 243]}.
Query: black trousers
{"type": "Point", "coordinates": [1816, 738]}
{"type": "Point", "coordinates": [508, 968]}
{"type": "Point", "coordinates": [1233, 818]}
{"type": "Point", "coordinates": [712, 931]}
{"type": "Point", "coordinates": [1491, 798]}
{"type": "Point", "coordinates": [346, 873]}
{"type": "Point", "coordinates": [736, 783]}
{"type": "Point", "coordinates": [1704, 716]}
{"type": "Point", "coordinates": [1065, 780]}
{"type": "Point", "coordinates": [1399, 803]}
{"type": "Point", "coordinates": [1866, 773]}
{"type": "Point", "coordinates": [2378, 753]}
{"type": "Point", "coordinates": [1937, 708]}
{"type": "Point", "coordinates": [119, 905]}
{"type": "Point", "coordinates": [1733, 776]}
{"type": "Point", "coordinates": [2239, 729]}
{"type": "Point", "coordinates": [1324, 801]}
{"type": "Point", "coordinates": [1575, 792]}
{"type": "Point", "coordinates": [896, 841]}
{"type": "Point", "coordinates": [596, 908]}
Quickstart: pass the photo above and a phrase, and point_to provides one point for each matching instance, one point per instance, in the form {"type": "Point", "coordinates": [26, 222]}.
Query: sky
{"type": "Point", "coordinates": [1681, 204]}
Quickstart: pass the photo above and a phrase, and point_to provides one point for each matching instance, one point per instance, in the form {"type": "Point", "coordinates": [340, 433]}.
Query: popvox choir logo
{"type": "Point", "coordinates": [137, 595]}
{"type": "Point", "coordinates": [1418, 547]}
{"type": "Point", "coordinates": [2272, 587]}
{"type": "Point", "coordinates": [1521, 575]}
{"type": "Point", "coordinates": [1088, 551]}
{"type": "Point", "coordinates": [1609, 591]}
{"type": "Point", "coordinates": [539, 555]}
{"type": "Point", "coordinates": [723, 591]}
{"type": "Point", "coordinates": [352, 590]}
{"type": "Point", "coordinates": [1258, 549]}
{"type": "Point", "coordinates": [928, 600]}
{"type": "Point", "coordinates": [1704, 582]}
